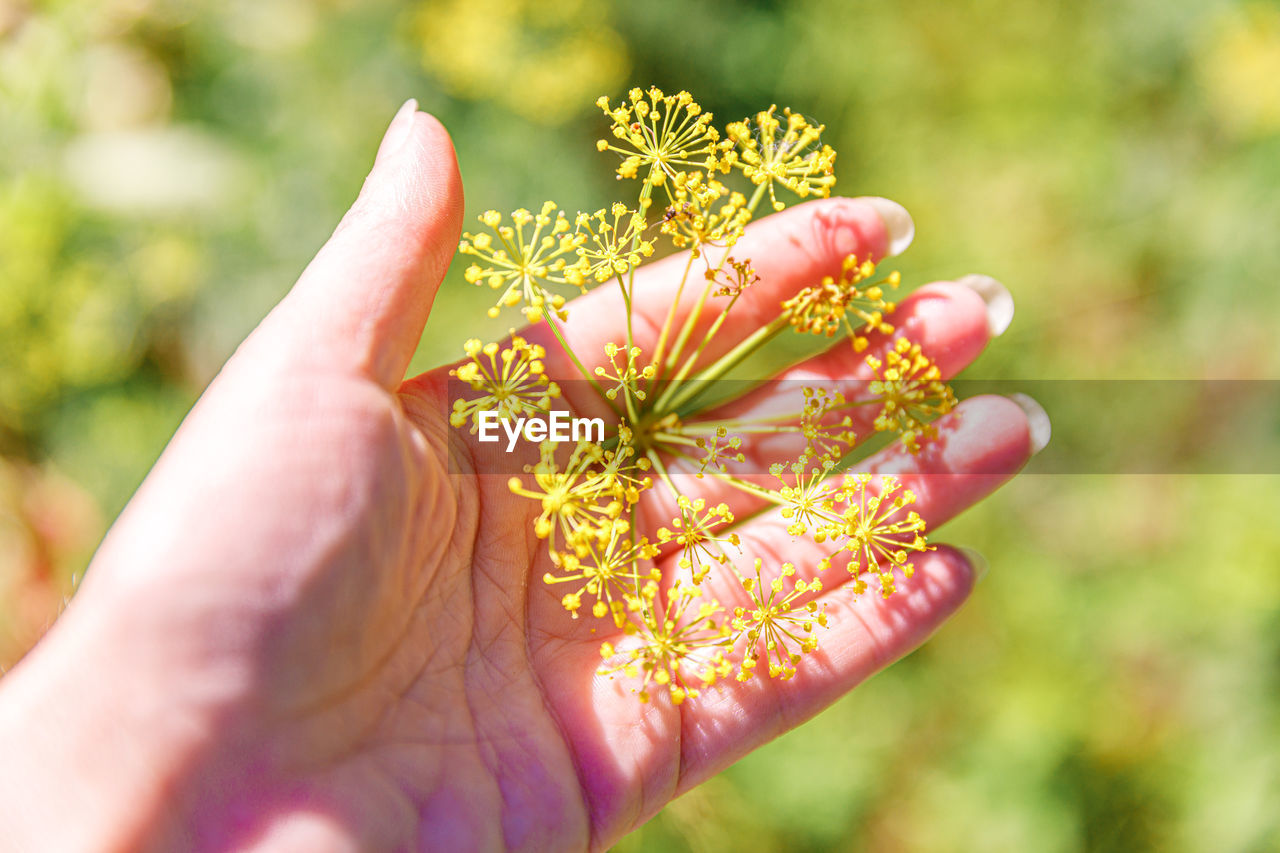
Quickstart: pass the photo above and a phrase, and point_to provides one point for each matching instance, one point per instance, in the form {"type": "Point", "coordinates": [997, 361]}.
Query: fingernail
{"type": "Point", "coordinates": [996, 295]}
{"type": "Point", "coordinates": [1037, 421]}
{"type": "Point", "coordinates": [977, 562]}
{"type": "Point", "coordinates": [398, 131]}
{"type": "Point", "coordinates": [897, 223]}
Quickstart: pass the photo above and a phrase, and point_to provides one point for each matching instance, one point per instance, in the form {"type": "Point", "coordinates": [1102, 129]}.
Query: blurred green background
{"type": "Point", "coordinates": [167, 169]}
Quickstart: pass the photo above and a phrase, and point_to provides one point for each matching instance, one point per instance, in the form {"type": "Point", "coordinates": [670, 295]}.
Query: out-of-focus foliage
{"type": "Point", "coordinates": [543, 61]}
{"type": "Point", "coordinates": [169, 166]}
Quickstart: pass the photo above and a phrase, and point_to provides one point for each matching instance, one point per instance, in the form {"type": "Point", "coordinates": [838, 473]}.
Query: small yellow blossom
{"type": "Point", "coordinates": [910, 391]}
{"type": "Point", "coordinates": [732, 282]}
{"type": "Point", "coordinates": [660, 135]}
{"type": "Point", "coordinates": [784, 151]}
{"type": "Point", "coordinates": [778, 620]}
{"type": "Point", "coordinates": [703, 212]}
{"type": "Point", "coordinates": [825, 308]}
{"type": "Point", "coordinates": [720, 449]}
{"type": "Point", "coordinates": [627, 375]}
{"type": "Point", "coordinates": [808, 498]}
{"type": "Point", "coordinates": [679, 646]}
{"type": "Point", "coordinates": [694, 530]}
{"type": "Point", "coordinates": [522, 263]}
{"type": "Point", "coordinates": [827, 436]}
{"type": "Point", "coordinates": [579, 500]}
{"type": "Point", "coordinates": [610, 243]}
{"type": "Point", "coordinates": [608, 573]}
{"type": "Point", "coordinates": [513, 383]}
{"type": "Point", "coordinates": [879, 532]}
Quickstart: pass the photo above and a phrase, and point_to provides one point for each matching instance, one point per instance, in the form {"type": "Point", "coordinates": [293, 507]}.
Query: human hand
{"type": "Point", "coordinates": [317, 626]}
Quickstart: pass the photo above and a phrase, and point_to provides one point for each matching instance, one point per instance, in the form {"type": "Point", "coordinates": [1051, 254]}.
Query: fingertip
{"type": "Point", "coordinates": [942, 582]}
{"type": "Point", "coordinates": [363, 302]}
{"type": "Point", "coordinates": [949, 321]}
{"type": "Point", "coordinates": [434, 137]}
{"type": "Point", "coordinates": [993, 433]}
{"type": "Point", "coordinates": [977, 562]}
{"type": "Point", "coordinates": [997, 299]}
{"type": "Point", "coordinates": [421, 172]}
{"type": "Point", "coordinates": [899, 227]}
{"type": "Point", "coordinates": [964, 568]}
{"type": "Point", "coordinates": [874, 631]}
{"type": "Point", "coordinates": [431, 136]}
{"type": "Point", "coordinates": [798, 246]}
{"type": "Point", "coordinates": [412, 203]}
{"type": "Point", "coordinates": [810, 240]}
{"type": "Point", "coordinates": [397, 131]}
{"type": "Point", "coordinates": [1039, 428]}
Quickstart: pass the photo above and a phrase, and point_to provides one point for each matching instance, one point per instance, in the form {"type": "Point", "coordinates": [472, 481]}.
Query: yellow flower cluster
{"type": "Point", "coordinates": [825, 308]}
{"type": "Point", "coordinates": [694, 530]}
{"type": "Point", "coordinates": [910, 389]}
{"type": "Point", "coordinates": [679, 646]}
{"type": "Point", "coordinates": [702, 211]}
{"type": "Point", "coordinates": [852, 519]}
{"type": "Point", "coordinates": [660, 135]}
{"type": "Point", "coordinates": [718, 450]}
{"type": "Point", "coordinates": [523, 265]}
{"type": "Point", "coordinates": [781, 619]}
{"type": "Point", "coordinates": [626, 376]}
{"type": "Point", "coordinates": [663, 626]}
{"type": "Point", "coordinates": [613, 243]}
{"type": "Point", "coordinates": [512, 383]}
{"type": "Point", "coordinates": [877, 537]}
{"type": "Point", "coordinates": [610, 572]}
{"type": "Point", "coordinates": [783, 151]}
{"type": "Point", "coordinates": [580, 500]}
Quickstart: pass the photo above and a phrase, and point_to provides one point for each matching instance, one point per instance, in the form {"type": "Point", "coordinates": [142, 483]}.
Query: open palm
{"type": "Point", "coordinates": [331, 622]}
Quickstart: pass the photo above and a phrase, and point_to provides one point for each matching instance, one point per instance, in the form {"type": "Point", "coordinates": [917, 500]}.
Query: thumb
{"type": "Point", "coordinates": [361, 305]}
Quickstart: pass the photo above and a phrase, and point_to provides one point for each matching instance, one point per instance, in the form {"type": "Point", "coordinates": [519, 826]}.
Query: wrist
{"type": "Point", "coordinates": [89, 754]}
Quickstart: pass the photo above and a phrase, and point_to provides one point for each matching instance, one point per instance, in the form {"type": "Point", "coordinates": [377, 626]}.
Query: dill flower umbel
{"type": "Point", "coordinates": [612, 243]}
{"type": "Point", "coordinates": [877, 533]}
{"type": "Point", "coordinates": [703, 211]}
{"type": "Point", "coordinates": [694, 530]}
{"type": "Point", "coordinates": [513, 383]}
{"type": "Point", "coordinates": [579, 501]}
{"type": "Point", "coordinates": [661, 135]}
{"type": "Point", "coordinates": [778, 624]}
{"type": "Point", "coordinates": [784, 151]}
{"type": "Point", "coordinates": [681, 645]}
{"type": "Point", "coordinates": [608, 571]}
{"type": "Point", "coordinates": [910, 390]}
{"type": "Point", "coordinates": [655, 588]}
{"type": "Point", "coordinates": [523, 262]}
{"type": "Point", "coordinates": [832, 305]}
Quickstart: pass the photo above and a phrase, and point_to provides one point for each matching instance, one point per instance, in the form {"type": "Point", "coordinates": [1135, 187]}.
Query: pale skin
{"type": "Point", "coordinates": [312, 629]}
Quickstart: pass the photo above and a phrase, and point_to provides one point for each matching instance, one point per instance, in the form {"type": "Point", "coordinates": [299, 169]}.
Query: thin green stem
{"type": "Point", "coordinates": [741, 485]}
{"type": "Point", "coordinates": [689, 322]}
{"type": "Point", "coordinates": [710, 427]}
{"type": "Point", "coordinates": [696, 387]}
{"type": "Point", "coordinates": [706, 339]}
{"type": "Point", "coordinates": [674, 438]}
{"type": "Point", "coordinates": [564, 345]}
{"type": "Point", "coordinates": [662, 472]}
{"type": "Point", "coordinates": [626, 301]}
{"type": "Point", "coordinates": [671, 317]}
